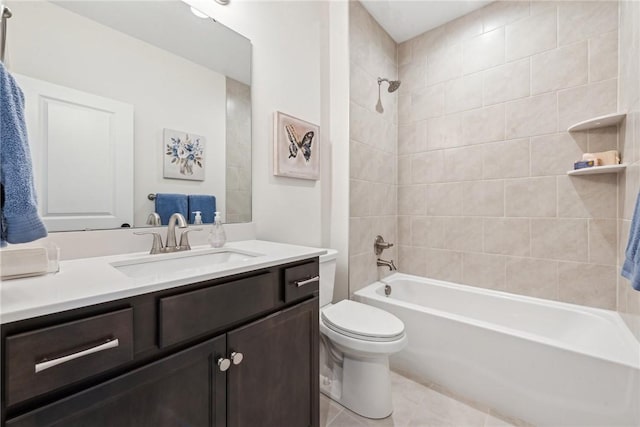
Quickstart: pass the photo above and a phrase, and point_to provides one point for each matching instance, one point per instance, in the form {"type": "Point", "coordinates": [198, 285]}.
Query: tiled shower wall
{"type": "Point", "coordinates": [373, 142]}
{"type": "Point", "coordinates": [629, 101]}
{"type": "Point", "coordinates": [483, 195]}
{"type": "Point", "coordinates": [238, 175]}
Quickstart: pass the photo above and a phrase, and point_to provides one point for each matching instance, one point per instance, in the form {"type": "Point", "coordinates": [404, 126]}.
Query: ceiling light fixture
{"type": "Point", "coordinates": [223, 2]}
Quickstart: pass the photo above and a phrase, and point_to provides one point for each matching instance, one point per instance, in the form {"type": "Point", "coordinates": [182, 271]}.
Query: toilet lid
{"type": "Point", "coordinates": [362, 321]}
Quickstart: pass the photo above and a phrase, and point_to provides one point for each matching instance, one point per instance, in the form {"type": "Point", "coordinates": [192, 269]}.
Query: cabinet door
{"type": "Point", "coordinates": [184, 389]}
{"type": "Point", "coordinates": [276, 383]}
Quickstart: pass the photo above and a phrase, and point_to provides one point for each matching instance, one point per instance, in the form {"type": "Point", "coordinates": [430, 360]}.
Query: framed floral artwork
{"type": "Point", "coordinates": [183, 155]}
{"type": "Point", "coordinates": [296, 152]}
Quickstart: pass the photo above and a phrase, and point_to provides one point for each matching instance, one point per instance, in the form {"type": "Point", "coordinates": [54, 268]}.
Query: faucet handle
{"type": "Point", "coordinates": [157, 246]}
{"type": "Point", "coordinates": [184, 238]}
{"type": "Point", "coordinates": [380, 245]}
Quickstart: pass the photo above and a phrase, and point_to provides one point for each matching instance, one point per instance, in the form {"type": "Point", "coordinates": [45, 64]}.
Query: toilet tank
{"type": "Point", "coordinates": [327, 276]}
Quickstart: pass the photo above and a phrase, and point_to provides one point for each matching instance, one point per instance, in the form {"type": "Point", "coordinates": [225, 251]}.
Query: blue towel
{"type": "Point", "coordinates": [631, 266]}
{"type": "Point", "coordinates": [19, 222]}
{"type": "Point", "coordinates": [204, 203]}
{"type": "Point", "coordinates": [167, 204]}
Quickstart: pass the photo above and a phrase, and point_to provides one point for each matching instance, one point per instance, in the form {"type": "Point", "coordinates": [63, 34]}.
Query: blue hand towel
{"type": "Point", "coordinates": [204, 203]}
{"type": "Point", "coordinates": [167, 204]}
{"type": "Point", "coordinates": [19, 222]}
{"type": "Point", "coordinates": [631, 266]}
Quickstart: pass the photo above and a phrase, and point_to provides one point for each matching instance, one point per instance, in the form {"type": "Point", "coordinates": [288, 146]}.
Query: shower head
{"type": "Point", "coordinates": [393, 84]}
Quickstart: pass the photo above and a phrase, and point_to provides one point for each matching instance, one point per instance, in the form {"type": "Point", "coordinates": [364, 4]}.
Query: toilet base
{"type": "Point", "coordinates": [361, 384]}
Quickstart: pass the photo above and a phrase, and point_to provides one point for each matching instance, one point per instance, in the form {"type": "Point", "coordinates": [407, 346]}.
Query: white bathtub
{"type": "Point", "coordinates": [545, 362]}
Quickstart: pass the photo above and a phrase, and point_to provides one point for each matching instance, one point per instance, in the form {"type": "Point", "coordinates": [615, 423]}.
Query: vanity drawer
{"type": "Point", "coordinates": [46, 359]}
{"type": "Point", "coordinates": [301, 281]}
{"type": "Point", "coordinates": [195, 313]}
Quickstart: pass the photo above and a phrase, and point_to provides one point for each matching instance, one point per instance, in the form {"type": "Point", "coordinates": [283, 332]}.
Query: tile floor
{"type": "Point", "coordinates": [415, 405]}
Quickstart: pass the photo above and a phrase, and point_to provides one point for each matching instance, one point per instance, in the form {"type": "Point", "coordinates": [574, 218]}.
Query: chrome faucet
{"type": "Point", "coordinates": [390, 264]}
{"type": "Point", "coordinates": [175, 219]}
{"type": "Point", "coordinates": [171, 246]}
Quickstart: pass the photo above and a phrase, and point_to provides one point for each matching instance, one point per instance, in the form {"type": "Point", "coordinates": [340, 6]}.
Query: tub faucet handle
{"type": "Point", "coordinates": [380, 245]}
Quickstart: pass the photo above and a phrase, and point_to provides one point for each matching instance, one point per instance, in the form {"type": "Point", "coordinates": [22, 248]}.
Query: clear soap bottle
{"type": "Point", "coordinates": [217, 236]}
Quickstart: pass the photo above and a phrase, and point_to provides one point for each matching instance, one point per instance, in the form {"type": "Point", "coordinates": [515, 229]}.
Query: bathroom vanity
{"type": "Point", "coordinates": [235, 344]}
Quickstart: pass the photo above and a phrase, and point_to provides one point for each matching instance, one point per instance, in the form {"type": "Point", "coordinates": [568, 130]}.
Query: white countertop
{"type": "Point", "coordinates": [88, 281]}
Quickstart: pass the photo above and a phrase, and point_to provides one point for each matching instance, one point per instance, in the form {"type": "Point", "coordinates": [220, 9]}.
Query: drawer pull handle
{"type": "Point", "coordinates": [308, 281]}
{"type": "Point", "coordinates": [223, 364]}
{"type": "Point", "coordinates": [236, 357]}
{"type": "Point", "coordinates": [60, 360]}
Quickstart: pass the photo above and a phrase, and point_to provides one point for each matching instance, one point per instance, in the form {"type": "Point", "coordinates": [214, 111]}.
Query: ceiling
{"type": "Point", "coordinates": [405, 19]}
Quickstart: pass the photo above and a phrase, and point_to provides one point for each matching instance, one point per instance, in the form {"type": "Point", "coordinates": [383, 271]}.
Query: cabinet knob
{"type": "Point", "coordinates": [223, 364]}
{"type": "Point", "coordinates": [236, 357]}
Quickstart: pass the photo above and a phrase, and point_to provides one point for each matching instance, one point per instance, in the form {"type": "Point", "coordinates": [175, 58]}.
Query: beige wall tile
{"type": "Point", "coordinates": [444, 199]}
{"type": "Point", "coordinates": [603, 241]}
{"type": "Point", "coordinates": [500, 13]}
{"type": "Point", "coordinates": [507, 236]}
{"type": "Point", "coordinates": [587, 196]}
{"type": "Point", "coordinates": [444, 64]}
{"type": "Point", "coordinates": [587, 284]}
{"type": "Point", "coordinates": [427, 167]}
{"type": "Point", "coordinates": [411, 200]}
{"type": "Point", "coordinates": [463, 164]}
{"type": "Point", "coordinates": [579, 20]}
{"type": "Point", "coordinates": [463, 234]}
{"type": "Point", "coordinates": [603, 57]}
{"type": "Point", "coordinates": [483, 124]}
{"type": "Point", "coordinates": [585, 102]}
{"type": "Point", "coordinates": [483, 198]}
{"type": "Point", "coordinates": [463, 93]}
{"type": "Point", "coordinates": [359, 128]}
{"type": "Point", "coordinates": [484, 270]}
{"type": "Point", "coordinates": [359, 198]}
{"type": "Point", "coordinates": [444, 132]}
{"type": "Point", "coordinates": [533, 277]}
{"type": "Point", "coordinates": [405, 53]}
{"type": "Point", "coordinates": [357, 232]}
{"type": "Point", "coordinates": [560, 68]}
{"type": "Point", "coordinates": [603, 139]}
{"type": "Point", "coordinates": [561, 239]}
{"type": "Point", "coordinates": [412, 138]}
{"type": "Point", "coordinates": [363, 88]}
{"type": "Point", "coordinates": [530, 197]}
{"type": "Point", "coordinates": [531, 35]}
{"type": "Point", "coordinates": [427, 232]}
{"type": "Point", "coordinates": [444, 265]}
{"type": "Point", "coordinates": [507, 82]}
{"type": "Point", "coordinates": [404, 170]}
{"type": "Point", "coordinates": [483, 51]}
{"type": "Point", "coordinates": [412, 75]}
{"type": "Point", "coordinates": [555, 154]}
{"type": "Point", "coordinates": [532, 116]}
{"type": "Point", "coordinates": [404, 108]}
{"type": "Point", "coordinates": [411, 260]}
{"type": "Point", "coordinates": [428, 42]}
{"type": "Point", "coordinates": [404, 230]}
{"type": "Point", "coordinates": [506, 159]}
{"type": "Point", "coordinates": [427, 103]}
{"type": "Point", "coordinates": [463, 28]}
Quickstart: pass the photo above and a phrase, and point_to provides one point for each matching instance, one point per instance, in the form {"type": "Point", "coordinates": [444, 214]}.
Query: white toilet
{"type": "Point", "coordinates": [356, 341]}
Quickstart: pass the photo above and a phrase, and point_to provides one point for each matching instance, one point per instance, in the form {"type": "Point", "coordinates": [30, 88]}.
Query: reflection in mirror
{"type": "Point", "coordinates": [105, 84]}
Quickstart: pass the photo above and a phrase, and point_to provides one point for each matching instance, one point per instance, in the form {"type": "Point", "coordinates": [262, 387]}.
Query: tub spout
{"type": "Point", "coordinates": [390, 264]}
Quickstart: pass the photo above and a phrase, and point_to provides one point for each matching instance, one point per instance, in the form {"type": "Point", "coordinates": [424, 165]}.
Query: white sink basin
{"type": "Point", "coordinates": [183, 264]}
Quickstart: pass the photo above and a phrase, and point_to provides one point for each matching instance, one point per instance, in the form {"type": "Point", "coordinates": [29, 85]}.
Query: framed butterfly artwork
{"type": "Point", "coordinates": [296, 151]}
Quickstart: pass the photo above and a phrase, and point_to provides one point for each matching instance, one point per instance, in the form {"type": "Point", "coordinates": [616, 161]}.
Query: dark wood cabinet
{"type": "Point", "coordinates": [231, 352]}
{"type": "Point", "coordinates": [184, 389]}
{"type": "Point", "coordinates": [277, 381]}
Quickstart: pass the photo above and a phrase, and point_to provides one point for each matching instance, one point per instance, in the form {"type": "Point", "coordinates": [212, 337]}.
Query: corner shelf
{"type": "Point", "coordinates": [598, 122]}
{"type": "Point", "coordinates": [596, 170]}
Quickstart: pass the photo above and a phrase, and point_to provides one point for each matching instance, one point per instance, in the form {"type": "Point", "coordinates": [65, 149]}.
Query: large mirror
{"type": "Point", "coordinates": [128, 99]}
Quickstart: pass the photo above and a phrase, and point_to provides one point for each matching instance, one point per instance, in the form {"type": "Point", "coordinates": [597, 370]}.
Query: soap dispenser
{"type": "Point", "coordinates": [217, 236]}
{"type": "Point", "coordinates": [198, 218]}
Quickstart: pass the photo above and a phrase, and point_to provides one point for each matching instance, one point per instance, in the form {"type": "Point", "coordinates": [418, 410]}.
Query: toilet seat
{"type": "Point", "coordinates": [363, 322]}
